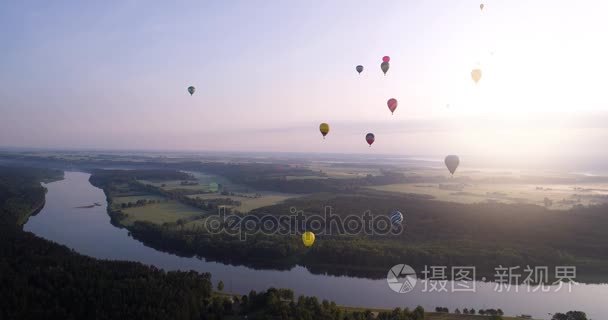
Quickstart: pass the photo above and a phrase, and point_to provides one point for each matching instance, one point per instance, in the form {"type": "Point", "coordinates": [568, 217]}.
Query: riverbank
{"type": "Point", "coordinates": [376, 311]}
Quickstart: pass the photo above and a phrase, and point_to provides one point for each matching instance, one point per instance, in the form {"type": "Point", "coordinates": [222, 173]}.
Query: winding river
{"type": "Point", "coordinates": [89, 232]}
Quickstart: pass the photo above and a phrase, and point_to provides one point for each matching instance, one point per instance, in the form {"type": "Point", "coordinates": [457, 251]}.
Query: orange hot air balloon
{"type": "Point", "coordinates": [476, 75]}
{"type": "Point", "coordinates": [392, 104]}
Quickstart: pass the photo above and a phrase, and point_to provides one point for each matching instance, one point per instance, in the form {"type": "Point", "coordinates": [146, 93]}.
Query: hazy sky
{"type": "Point", "coordinates": [113, 75]}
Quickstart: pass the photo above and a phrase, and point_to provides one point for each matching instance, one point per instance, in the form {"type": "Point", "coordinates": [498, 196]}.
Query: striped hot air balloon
{"type": "Point", "coordinates": [396, 218]}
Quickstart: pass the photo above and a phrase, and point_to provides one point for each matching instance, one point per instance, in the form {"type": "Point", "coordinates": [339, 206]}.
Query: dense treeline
{"type": "Point", "coordinates": [21, 193]}
{"type": "Point", "coordinates": [104, 177]}
{"type": "Point", "coordinates": [280, 304]}
{"type": "Point", "coordinates": [44, 280]}
{"type": "Point", "coordinates": [483, 235]}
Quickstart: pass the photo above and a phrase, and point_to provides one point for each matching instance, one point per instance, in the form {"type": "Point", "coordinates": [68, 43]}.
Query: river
{"type": "Point", "coordinates": [89, 232]}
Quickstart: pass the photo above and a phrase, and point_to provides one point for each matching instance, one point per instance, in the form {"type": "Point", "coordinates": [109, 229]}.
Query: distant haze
{"type": "Point", "coordinates": [114, 75]}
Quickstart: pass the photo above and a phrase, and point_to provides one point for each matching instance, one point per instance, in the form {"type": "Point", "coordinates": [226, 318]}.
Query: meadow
{"type": "Point", "coordinates": [250, 201]}
{"type": "Point", "coordinates": [164, 212]}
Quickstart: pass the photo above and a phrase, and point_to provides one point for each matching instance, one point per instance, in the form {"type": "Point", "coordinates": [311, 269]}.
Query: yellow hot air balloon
{"type": "Point", "coordinates": [324, 128]}
{"type": "Point", "coordinates": [476, 75]}
{"type": "Point", "coordinates": [308, 238]}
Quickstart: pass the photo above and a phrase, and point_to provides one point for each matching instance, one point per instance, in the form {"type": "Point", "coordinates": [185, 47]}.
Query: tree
{"type": "Point", "coordinates": [559, 316]}
{"type": "Point", "coordinates": [220, 286]}
{"type": "Point", "coordinates": [457, 311]}
{"type": "Point", "coordinates": [418, 313]}
{"type": "Point", "coordinates": [570, 315]}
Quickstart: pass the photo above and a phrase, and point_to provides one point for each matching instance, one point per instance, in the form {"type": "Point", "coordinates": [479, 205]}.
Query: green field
{"type": "Point", "coordinates": [160, 213]}
{"type": "Point", "coordinates": [248, 202]}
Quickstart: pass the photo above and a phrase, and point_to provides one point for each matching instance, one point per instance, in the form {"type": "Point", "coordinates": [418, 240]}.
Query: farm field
{"type": "Point", "coordinates": [159, 213]}
{"type": "Point", "coordinates": [249, 201]}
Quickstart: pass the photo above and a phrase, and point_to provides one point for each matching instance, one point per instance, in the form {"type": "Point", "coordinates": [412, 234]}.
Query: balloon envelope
{"type": "Point", "coordinates": [324, 128]}
{"type": "Point", "coordinates": [191, 90]}
{"type": "Point", "coordinates": [384, 66]}
{"type": "Point", "coordinates": [452, 163]}
{"type": "Point", "coordinates": [396, 217]}
{"type": "Point", "coordinates": [386, 59]}
{"type": "Point", "coordinates": [476, 75]}
{"type": "Point", "coordinates": [370, 138]}
{"type": "Point", "coordinates": [392, 104]}
{"type": "Point", "coordinates": [359, 69]}
{"type": "Point", "coordinates": [308, 238]}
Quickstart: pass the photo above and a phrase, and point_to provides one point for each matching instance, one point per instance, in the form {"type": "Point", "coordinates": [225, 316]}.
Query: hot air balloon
{"type": "Point", "coordinates": [476, 75]}
{"type": "Point", "coordinates": [386, 59]}
{"type": "Point", "coordinates": [370, 138]}
{"type": "Point", "coordinates": [191, 89]}
{"type": "Point", "coordinates": [481, 6]}
{"type": "Point", "coordinates": [396, 218]}
{"type": "Point", "coordinates": [308, 238]}
{"type": "Point", "coordinates": [452, 163]}
{"type": "Point", "coordinates": [392, 104]}
{"type": "Point", "coordinates": [359, 69]}
{"type": "Point", "coordinates": [324, 128]}
{"type": "Point", "coordinates": [384, 66]}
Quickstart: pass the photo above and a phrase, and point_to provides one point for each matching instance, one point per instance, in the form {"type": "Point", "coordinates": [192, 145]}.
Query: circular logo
{"type": "Point", "coordinates": [401, 278]}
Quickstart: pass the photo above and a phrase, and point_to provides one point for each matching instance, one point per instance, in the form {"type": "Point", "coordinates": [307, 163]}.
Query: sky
{"type": "Point", "coordinates": [113, 75]}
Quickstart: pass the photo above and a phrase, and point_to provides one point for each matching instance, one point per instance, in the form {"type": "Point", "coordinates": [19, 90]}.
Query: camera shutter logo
{"type": "Point", "coordinates": [401, 278]}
